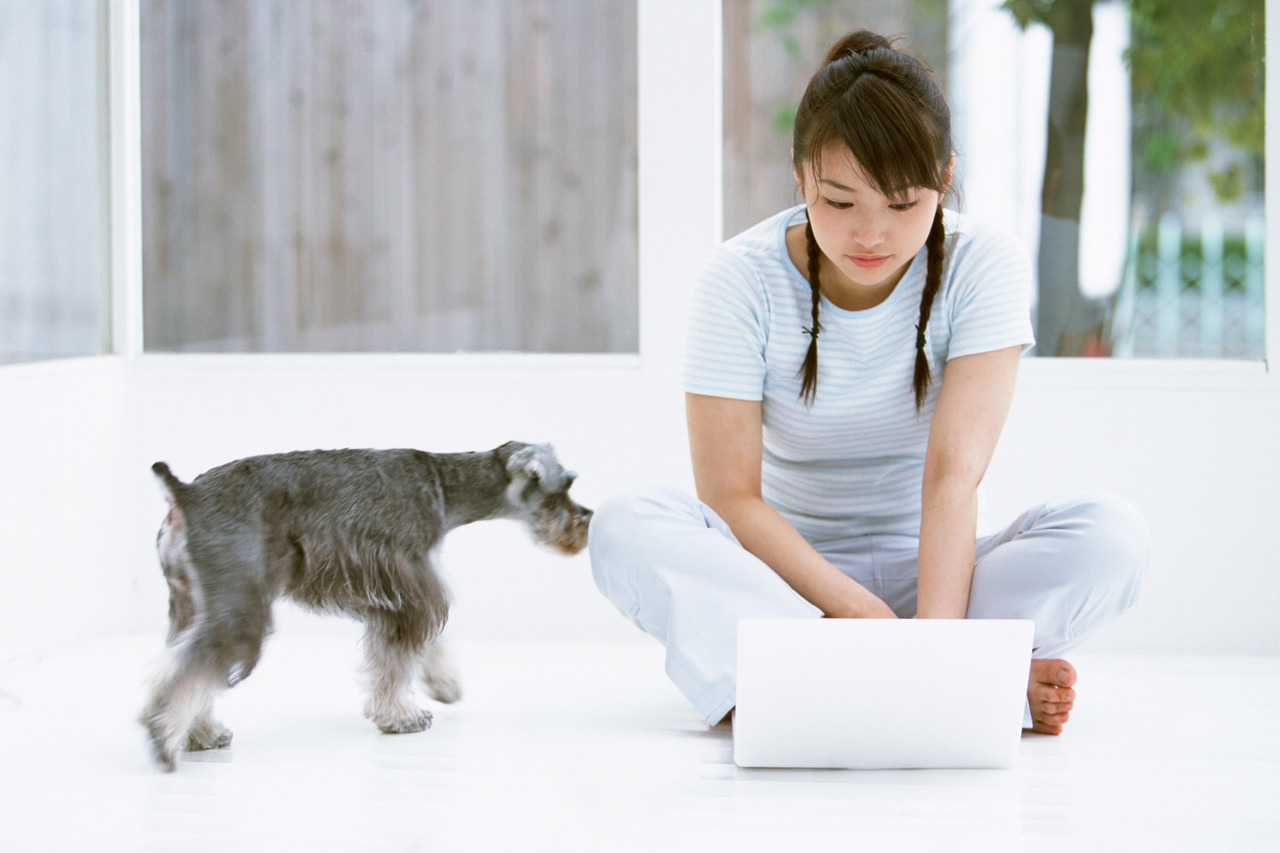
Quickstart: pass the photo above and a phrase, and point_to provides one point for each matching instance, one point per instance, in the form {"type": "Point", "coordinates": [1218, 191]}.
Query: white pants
{"type": "Point", "coordinates": [674, 568]}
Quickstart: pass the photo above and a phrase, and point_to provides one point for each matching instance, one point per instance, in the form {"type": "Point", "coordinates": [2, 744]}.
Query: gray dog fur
{"type": "Point", "coordinates": [349, 532]}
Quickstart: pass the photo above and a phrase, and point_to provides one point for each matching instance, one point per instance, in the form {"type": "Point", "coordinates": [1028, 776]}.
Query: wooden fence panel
{"type": "Point", "coordinates": [403, 175]}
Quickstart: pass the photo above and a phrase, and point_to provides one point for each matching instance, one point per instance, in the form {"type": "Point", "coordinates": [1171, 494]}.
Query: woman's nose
{"type": "Point", "coordinates": [869, 231]}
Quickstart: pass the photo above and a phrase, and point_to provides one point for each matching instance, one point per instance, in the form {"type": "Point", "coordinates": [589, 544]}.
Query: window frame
{"type": "Point", "coordinates": [680, 213]}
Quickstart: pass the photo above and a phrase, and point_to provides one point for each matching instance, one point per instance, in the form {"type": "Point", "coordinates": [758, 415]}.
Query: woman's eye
{"type": "Point", "coordinates": [840, 205]}
{"type": "Point", "coordinates": [902, 205]}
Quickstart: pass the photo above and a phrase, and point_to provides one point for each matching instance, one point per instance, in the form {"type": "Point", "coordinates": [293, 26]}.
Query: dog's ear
{"type": "Point", "coordinates": [537, 462]}
{"type": "Point", "coordinates": [525, 462]}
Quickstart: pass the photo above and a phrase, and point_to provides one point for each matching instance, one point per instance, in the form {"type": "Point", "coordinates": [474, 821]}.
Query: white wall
{"type": "Point", "coordinates": [1194, 446]}
{"type": "Point", "coordinates": [79, 510]}
{"type": "Point", "coordinates": [62, 575]}
{"type": "Point", "coordinates": [1198, 454]}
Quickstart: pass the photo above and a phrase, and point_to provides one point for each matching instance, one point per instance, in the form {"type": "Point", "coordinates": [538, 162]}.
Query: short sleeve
{"type": "Point", "coordinates": [989, 293]}
{"type": "Point", "coordinates": [726, 335]}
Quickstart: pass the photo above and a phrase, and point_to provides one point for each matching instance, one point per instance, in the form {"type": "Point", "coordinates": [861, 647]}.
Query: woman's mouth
{"type": "Point", "coordinates": [867, 262]}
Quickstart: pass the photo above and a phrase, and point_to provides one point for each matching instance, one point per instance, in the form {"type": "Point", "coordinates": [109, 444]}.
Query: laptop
{"type": "Point", "coordinates": [880, 693]}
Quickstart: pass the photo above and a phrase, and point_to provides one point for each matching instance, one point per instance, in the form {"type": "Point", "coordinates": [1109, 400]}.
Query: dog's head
{"type": "Point", "coordinates": [539, 495]}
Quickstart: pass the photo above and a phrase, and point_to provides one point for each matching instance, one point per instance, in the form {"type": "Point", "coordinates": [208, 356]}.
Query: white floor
{"type": "Point", "coordinates": [582, 747]}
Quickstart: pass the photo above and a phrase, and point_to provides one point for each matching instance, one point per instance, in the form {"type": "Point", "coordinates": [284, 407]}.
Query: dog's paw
{"type": "Point", "coordinates": [417, 722]}
{"type": "Point", "coordinates": [211, 736]}
{"type": "Point", "coordinates": [443, 687]}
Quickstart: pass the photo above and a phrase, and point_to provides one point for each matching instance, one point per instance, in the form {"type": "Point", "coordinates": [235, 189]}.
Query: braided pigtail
{"type": "Point", "coordinates": [883, 108]}
{"type": "Point", "coordinates": [933, 279]}
{"type": "Point", "coordinates": [809, 384]}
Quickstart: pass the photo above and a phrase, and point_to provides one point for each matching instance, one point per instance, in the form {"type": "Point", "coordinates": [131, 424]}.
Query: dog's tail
{"type": "Point", "coordinates": [173, 487]}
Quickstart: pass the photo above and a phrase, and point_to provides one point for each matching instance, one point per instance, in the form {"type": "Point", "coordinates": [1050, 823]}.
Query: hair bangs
{"type": "Point", "coordinates": [885, 132]}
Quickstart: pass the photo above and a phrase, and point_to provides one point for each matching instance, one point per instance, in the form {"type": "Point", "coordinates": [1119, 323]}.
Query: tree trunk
{"type": "Point", "coordinates": [1066, 324]}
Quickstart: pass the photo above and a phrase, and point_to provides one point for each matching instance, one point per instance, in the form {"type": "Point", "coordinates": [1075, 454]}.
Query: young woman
{"type": "Point", "coordinates": [849, 367]}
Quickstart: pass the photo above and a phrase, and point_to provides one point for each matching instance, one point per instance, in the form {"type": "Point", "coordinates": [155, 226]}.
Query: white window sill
{"type": "Point", "coordinates": [1171, 374]}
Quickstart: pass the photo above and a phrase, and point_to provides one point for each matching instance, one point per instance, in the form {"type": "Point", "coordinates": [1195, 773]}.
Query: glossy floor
{"type": "Point", "coordinates": [588, 747]}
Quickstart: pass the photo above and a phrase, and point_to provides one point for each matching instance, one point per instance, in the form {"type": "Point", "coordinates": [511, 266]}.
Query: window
{"type": "Point", "coordinates": [394, 176]}
{"type": "Point", "coordinates": [1121, 140]}
{"type": "Point", "coordinates": [54, 250]}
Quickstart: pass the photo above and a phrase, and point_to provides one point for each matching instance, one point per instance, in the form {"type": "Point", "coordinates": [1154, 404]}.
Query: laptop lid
{"type": "Point", "coordinates": [880, 693]}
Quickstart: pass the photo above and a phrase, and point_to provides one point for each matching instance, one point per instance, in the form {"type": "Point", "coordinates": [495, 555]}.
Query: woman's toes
{"type": "Point", "coordinates": [1053, 671]}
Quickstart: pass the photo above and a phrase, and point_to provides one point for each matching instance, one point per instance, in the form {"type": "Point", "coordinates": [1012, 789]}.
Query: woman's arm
{"type": "Point", "coordinates": [726, 441]}
{"type": "Point", "coordinates": [972, 406]}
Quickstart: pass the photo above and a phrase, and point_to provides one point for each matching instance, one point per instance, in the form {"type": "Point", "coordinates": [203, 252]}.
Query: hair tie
{"type": "Point", "coordinates": [919, 337]}
{"type": "Point", "coordinates": [812, 333]}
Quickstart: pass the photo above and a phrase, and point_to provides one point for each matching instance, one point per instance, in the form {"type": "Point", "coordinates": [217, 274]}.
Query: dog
{"type": "Point", "coordinates": [351, 532]}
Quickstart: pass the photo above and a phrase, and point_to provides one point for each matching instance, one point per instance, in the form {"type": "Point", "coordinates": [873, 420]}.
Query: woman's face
{"type": "Point", "coordinates": [867, 238]}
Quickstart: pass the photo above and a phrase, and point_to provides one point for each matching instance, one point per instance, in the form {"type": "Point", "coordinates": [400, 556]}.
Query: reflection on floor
{"type": "Point", "coordinates": [588, 747]}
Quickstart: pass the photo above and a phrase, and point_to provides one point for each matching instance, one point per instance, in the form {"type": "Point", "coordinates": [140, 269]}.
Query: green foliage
{"type": "Point", "coordinates": [1197, 66]}
{"type": "Point", "coordinates": [1163, 151]}
{"type": "Point", "coordinates": [779, 16]}
{"type": "Point", "coordinates": [784, 120]}
{"type": "Point", "coordinates": [1028, 12]}
{"type": "Point", "coordinates": [1228, 183]}
{"type": "Point", "coordinates": [1196, 75]}
{"type": "Point", "coordinates": [782, 14]}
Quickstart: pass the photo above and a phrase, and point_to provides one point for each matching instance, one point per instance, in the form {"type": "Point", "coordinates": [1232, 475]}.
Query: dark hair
{"type": "Point", "coordinates": [884, 106]}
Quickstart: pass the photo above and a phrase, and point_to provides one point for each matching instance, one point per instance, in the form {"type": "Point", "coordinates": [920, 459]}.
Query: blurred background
{"type": "Point", "coordinates": [436, 176]}
{"type": "Point", "coordinates": [266, 225]}
{"type": "Point", "coordinates": [1120, 139]}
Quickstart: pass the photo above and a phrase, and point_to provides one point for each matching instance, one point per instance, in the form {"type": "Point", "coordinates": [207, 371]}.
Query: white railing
{"type": "Point", "coordinates": [1179, 302]}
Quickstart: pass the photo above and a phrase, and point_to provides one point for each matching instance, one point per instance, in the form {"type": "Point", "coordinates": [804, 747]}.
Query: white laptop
{"type": "Point", "coordinates": [880, 693]}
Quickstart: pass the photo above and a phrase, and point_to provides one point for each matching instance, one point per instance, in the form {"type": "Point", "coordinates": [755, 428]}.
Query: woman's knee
{"type": "Point", "coordinates": [625, 530]}
{"type": "Point", "coordinates": [1115, 542]}
{"type": "Point", "coordinates": [625, 518]}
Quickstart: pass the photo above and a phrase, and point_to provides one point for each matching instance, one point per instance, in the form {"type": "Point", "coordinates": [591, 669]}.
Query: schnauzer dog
{"type": "Point", "coordinates": [352, 532]}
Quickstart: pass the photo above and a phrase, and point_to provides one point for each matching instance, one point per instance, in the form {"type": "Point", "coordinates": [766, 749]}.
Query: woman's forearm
{"type": "Point", "coordinates": [766, 534]}
{"type": "Point", "coordinates": [948, 527]}
{"type": "Point", "coordinates": [726, 449]}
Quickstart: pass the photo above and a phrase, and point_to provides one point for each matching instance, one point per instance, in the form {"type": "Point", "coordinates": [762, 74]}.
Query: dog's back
{"type": "Point", "coordinates": [337, 530]}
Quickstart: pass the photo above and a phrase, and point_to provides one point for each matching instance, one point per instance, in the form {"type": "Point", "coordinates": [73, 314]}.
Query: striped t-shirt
{"type": "Point", "coordinates": [852, 463]}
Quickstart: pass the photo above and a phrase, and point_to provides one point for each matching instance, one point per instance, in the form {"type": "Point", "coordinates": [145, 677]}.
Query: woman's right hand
{"type": "Point", "coordinates": [875, 608]}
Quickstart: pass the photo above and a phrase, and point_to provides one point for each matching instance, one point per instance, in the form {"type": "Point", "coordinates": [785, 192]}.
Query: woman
{"type": "Point", "coordinates": [849, 368]}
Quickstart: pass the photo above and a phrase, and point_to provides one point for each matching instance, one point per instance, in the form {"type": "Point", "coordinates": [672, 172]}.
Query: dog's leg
{"type": "Point", "coordinates": [213, 654]}
{"type": "Point", "coordinates": [181, 697]}
{"type": "Point", "coordinates": [393, 648]}
{"type": "Point", "coordinates": [439, 674]}
{"type": "Point", "coordinates": [181, 612]}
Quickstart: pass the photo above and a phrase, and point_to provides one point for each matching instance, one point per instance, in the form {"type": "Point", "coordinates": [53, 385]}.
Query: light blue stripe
{"type": "Point", "coordinates": [853, 462]}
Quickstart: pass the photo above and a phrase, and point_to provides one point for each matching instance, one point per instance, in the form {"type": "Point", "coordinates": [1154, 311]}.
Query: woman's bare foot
{"type": "Point", "coordinates": [1050, 695]}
